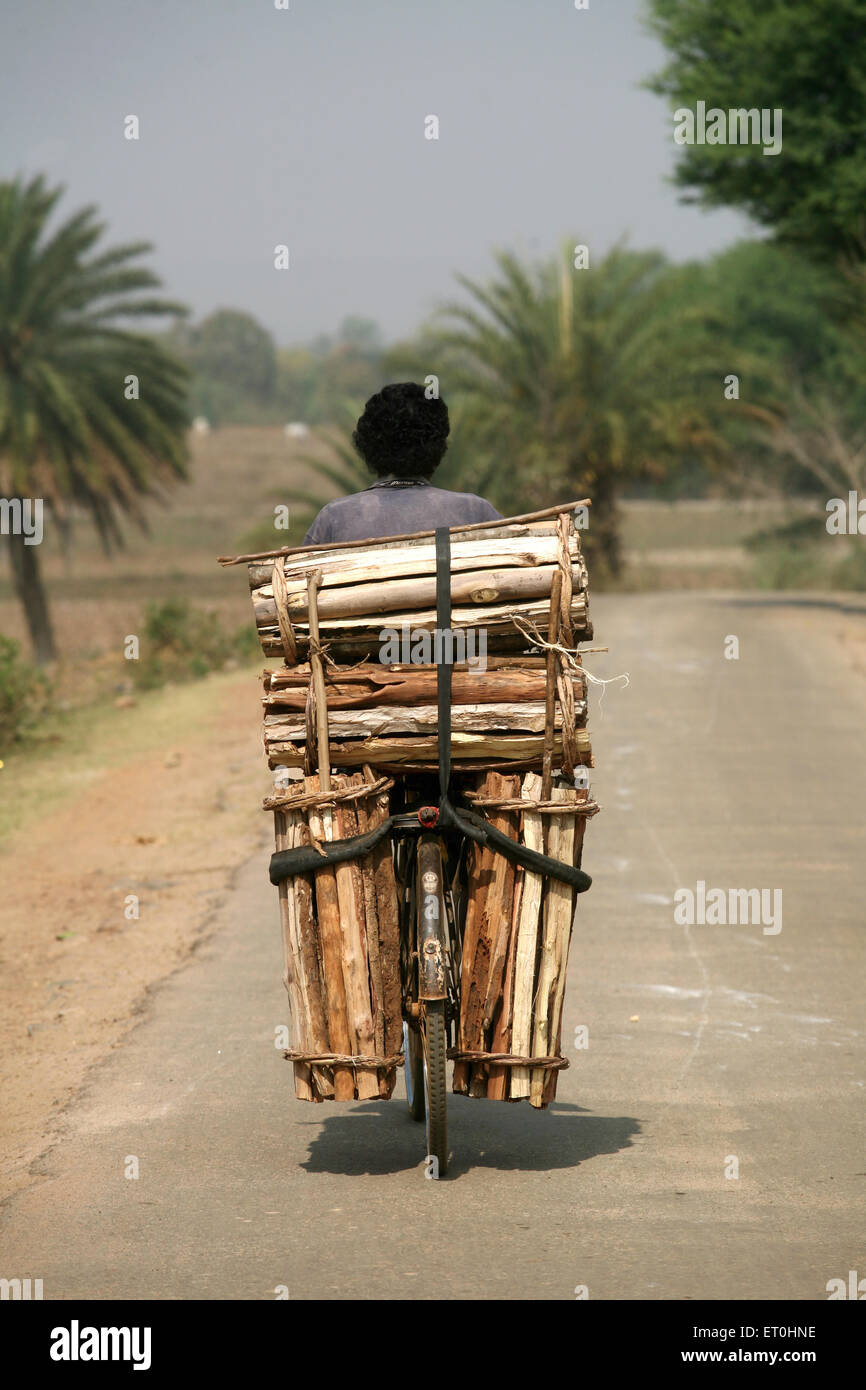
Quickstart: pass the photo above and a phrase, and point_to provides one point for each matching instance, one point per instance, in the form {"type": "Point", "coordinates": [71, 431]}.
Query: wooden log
{"type": "Point", "coordinates": [330, 936]}
{"type": "Point", "coordinates": [340, 567]}
{"type": "Point", "coordinates": [361, 635]}
{"type": "Point", "coordinates": [557, 914]}
{"type": "Point", "coordinates": [393, 595]}
{"type": "Point", "coordinates": [350, 894]}
{"type": "Point", "coordinates": [565, 917]}
{"type": "Point", "coordinates": [382, 864]}
{"type": "Point", "coordinates": [386, 720]}
{"type": "Point", "coordinates": [404, 751]}
{"type": "Point", "coordinates": [553, 624]}
{"type": "Point", "coordinates": [318, 684]}
{"type": "Point", "coordinates": [491, 880]}
{"type": "Point", "coordinates": [371, 919]}
{"type": "Point", "coordinates": [377, 686]}
{"type": "Point", "coordinates": [361, 671]}
{"type": "Point", "coordinates": [299, 1031]}
{"type": "Point", "coordinates": [322, 1077]}
{"type": "Point", "coordinates": [579, 796]}
{"type": "Point", "coordinates": [527, 941]}
{"type": "Point", "coordinates": [502, 908]}
{"type": "Point", "coordinates": [498, 1080]}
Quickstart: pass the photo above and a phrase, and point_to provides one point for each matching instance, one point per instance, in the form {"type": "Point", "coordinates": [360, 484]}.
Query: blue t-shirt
{"type": "Point", "coordinates": [393, 507]}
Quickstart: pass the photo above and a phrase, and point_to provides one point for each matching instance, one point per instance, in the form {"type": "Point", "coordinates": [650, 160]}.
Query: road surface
{"type": "Point", "coordinates": [707, 1143]}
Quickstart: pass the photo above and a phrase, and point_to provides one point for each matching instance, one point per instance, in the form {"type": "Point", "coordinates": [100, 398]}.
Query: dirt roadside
{"type": "Point", "coordinates": [160, 804]}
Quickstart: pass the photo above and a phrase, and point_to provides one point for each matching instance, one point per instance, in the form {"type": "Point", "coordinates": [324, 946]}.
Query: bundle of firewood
{"type": "Point", "coordinates": [386, 716]}
{"type": "Point", "coordinates": [515, 942]}
{"type": "Point", "coordinates": [358, 690]}
{"type": "Point", "coordinates": [341, 944]}
{"type": "Point", "coordinates": [501, 582]}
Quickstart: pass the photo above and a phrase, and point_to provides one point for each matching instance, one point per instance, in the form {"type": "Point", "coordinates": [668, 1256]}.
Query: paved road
{"type": "Point", "coordinates": [707, 1044]}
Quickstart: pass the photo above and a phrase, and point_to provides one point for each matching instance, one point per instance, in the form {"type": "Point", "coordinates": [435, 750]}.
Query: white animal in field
{"type": "Point", "coordinates": [201, 425]}
{"type": "Point", "coordinates": [296, 429]}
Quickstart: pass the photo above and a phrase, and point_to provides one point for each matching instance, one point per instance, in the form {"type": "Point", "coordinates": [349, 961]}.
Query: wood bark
{"type": "Point", "coordinates": [400, 752]}
{"type": "Point", "coordinates": [417, 719]}
{"type": "Point", "coordinates": [376, 686]}
{"type": "Point", "coordinates": [359, 638]}
{"type": "Point", "coordinates": [342, 566]}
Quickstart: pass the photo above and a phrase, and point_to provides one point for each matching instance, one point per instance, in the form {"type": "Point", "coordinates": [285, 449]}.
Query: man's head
{"type": "Point", "coordinates": [402, 432]}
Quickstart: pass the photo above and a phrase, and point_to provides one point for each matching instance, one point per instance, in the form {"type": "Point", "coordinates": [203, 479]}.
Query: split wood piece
{"type": "Point", "coordinates": [403, 752]}
{"type": "Point", "coordinates": [559, 899]}
{"type": "Point", "coordinates": [330, 937]}
{"type": "Point", "coordinates": [491, 882]}
{"type": "Point", "coordinates": [498, 1081]}
{"type": "Point", "coordinates": [318, 689]}
{"type": "Point", "coordinates": [491, 527]}
{"type": "Point", "coordinates": [385, 720]}
{"type": "Point", "coordinates": [376, 686]}
{"type": "Point", "coordinates": [350, 894]}
{"type": "Point", "coordinates": [364, 627]}
{"type": "Point", "coordinates": [366, 822]}
{"type": "Point", "coordinates": [323, 1078]}
{"type": "Point", "coordinates": [539, 539]}
{"type": "Point", "coordinates": [392, 595]}
{"type": "Point", "coordinates": [549, 1093]}
{"type": "Point", "coordinates": [527, 943]}
{"type": "Point", "coordinates": [364, 670]}
{"type": "Point", "coordinates": [381, 864]}
{"type": "Point", "coordinates": [407, 561]}
{"type": "Point", "coordinates": [283, 828]}
{"type": "Point", "coordinates": [360, 638]}
{"type": "Point", "coordinates": [550, 705]}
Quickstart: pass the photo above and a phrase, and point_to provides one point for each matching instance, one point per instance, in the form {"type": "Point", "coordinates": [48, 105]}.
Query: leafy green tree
{"type": "Point", "coordinates": [572, 382]}
{"type": "Point", "coordinates": [235, 364]}
{"type": "Point", "coordinates": [784, 341]}
{"type": "Point", "coordinates": [92, 413]}
{"type": "Point", "coordinates": [805, 57]}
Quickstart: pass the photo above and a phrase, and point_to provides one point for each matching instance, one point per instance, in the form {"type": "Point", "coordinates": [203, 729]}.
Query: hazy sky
{"type": "Point", "coordinates": [306, 127]}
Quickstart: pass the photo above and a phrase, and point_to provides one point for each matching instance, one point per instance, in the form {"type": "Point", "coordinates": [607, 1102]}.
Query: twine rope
{"type": "Point", "coordinates": [289, 802]}
{"type": "Point", "coordinates": [507, 1059]}
{"type": "Point", "coordinates": [342, 1059]}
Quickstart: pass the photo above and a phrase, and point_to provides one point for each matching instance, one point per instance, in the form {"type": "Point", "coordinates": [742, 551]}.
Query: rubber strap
{"type": "Point", "coordinates": [443, 665]}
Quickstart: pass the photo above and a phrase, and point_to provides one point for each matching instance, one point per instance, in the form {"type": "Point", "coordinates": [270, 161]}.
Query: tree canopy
{"type": "Point", "coordinates": [807, 59]}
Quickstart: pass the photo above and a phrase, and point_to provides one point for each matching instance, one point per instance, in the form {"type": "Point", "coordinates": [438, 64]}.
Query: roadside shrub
{"type": "Point", "coordinates": [182, 642]}
{"type": "Point", "coordinates": [24, 694]}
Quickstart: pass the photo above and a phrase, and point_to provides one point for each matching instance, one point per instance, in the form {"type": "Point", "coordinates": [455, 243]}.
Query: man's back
{"type": "Point", "coordinates": [394, 507]}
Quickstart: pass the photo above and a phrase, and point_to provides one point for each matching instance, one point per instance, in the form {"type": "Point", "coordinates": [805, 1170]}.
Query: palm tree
{"type": "Point", "coordinates": [575, 380]}
{"type": "Point", "coordinates": [92, 413]}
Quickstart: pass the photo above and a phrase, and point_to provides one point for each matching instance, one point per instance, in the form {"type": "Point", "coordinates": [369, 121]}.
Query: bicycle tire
{"type": "Point", "coordinates": [436, 1082]}
{"type": "Point", "coordinates": [413, 1053]}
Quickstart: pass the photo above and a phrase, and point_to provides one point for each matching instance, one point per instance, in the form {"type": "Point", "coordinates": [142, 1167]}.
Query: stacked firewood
{"type": "Point", "coordinates": [358, 692]}
{"type": "Point", "coordinates": [386, 716]}
{"type": "Point", "coordinates": [341, 943]}
{"type": "Point", "coordinates": [515, 942]}
{"type": "Point", "coordinates": [498, 573]}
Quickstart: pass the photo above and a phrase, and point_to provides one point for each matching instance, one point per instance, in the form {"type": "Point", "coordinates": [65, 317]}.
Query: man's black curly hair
{"type": "Point", "coordinates": [402, 432]}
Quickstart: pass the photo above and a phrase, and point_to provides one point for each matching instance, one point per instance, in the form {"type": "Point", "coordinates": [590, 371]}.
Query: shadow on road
{"type": "Point", "coordinates": [381, 1138]}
